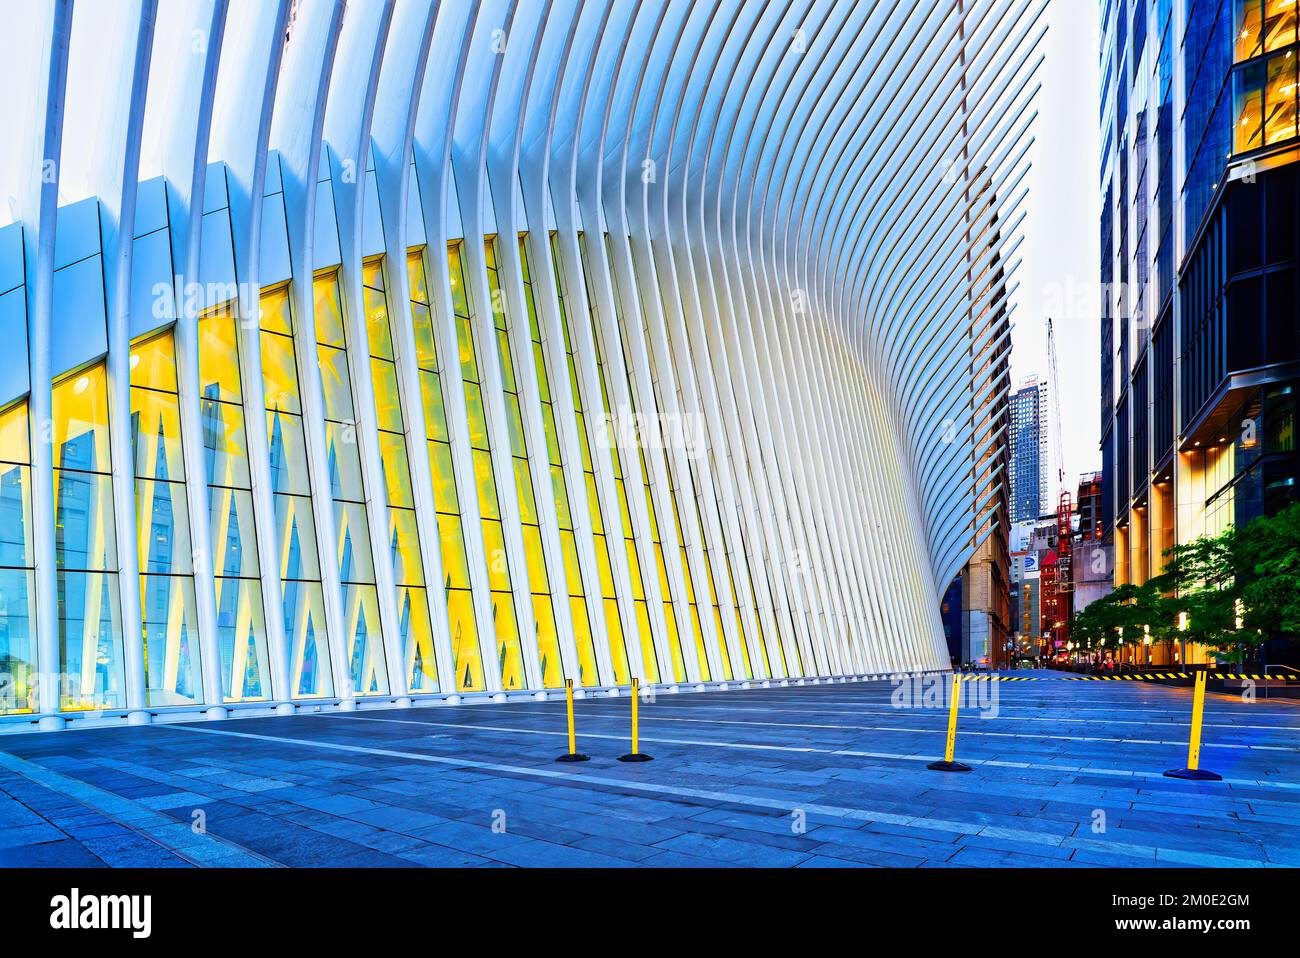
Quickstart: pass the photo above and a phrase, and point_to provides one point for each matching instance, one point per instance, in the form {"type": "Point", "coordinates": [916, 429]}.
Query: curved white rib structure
{"type": "Point", "coordinates": [650, 338]}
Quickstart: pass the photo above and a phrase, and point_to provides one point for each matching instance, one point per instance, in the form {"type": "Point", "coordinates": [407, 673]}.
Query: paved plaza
{"type": "Point", "coordinates": [1065, 773]}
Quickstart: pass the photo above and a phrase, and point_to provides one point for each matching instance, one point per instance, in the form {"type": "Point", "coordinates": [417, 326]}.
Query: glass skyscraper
{"type": "Point", "coordinates": [1200, 335]}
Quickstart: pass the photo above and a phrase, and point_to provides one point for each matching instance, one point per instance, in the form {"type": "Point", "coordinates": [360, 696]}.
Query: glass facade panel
{"type": "Point", "coordinates": [17, 587]}
{"type": "Point", "coordinates": [90, 621]}
{"type": "Point", "coordinates": [587, 671]}
{"type": "Point", "coordinates": [300, 578]}
{"type": "Point", "coordinates": [421, 669]}
{"type": "Point", "coordinates": [509, 654]}
{"type": "Point", "coordinates": [241, 623]}
{"type": "Point", "coordinates": [304, 629]}
{"type": "Point", "coordinates": [363, 636]}
{"type": "Point", "coordinates": [241, 636]}
{"type": "Point", "coordinates": [613, 621]}
{"type": "Point", "coordinates": [167, 602]}
{"type": "Point", "coordinates": [465, 656]}
{"type": "Point", "coordinates": [605, 438]}
{"type": "Point", "coordinates": [548, 648]}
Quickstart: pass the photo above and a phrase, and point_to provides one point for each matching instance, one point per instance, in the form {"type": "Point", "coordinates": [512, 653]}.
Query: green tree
{"type": "Point", "coordinates": [1268, 562]}
{"type": "Point", "coordinates": [1237, 589]}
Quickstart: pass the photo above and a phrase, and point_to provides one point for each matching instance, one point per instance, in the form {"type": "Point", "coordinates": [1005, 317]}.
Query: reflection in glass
{"type": "Point", "coordinates": [364, 640]}
{"type": "Point", "coordinates": [167, 603]}
{"type": "Point", "coordinates": [17, 586]}
{"type": "Point", "coordinates": [241, 625]}
{"type": "Point", "coordinates": [90, 629]}
{"type": "Point", "coordinates": [465, 656]}
{"type": "Point", "coordinates": [546, 639]}
{"type": "Point", "coordinates": [245, 665]}
{"type": "Point", "coordinates": [304, 607]}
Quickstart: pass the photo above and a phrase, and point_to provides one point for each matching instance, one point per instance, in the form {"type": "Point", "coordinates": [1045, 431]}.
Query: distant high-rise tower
{"type": "Point", "coordinates": [1030, 451]}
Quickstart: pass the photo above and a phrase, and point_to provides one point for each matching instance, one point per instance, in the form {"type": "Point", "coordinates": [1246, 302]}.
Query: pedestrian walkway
{"type": "Point", "coordinates": [1065, 774]}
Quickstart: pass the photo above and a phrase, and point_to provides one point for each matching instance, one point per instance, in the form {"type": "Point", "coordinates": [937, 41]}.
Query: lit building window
{"type": "Point", "coordinates": [85, 544]}
{"type": "Point", "coordinates": [300, 578]}
{"type": "Point", "coordinates": [167, 604]}
{"type": "Point", "coordinates": [465, 656]}
{"type": "Point", "coordinates": [420, 665]}
{"type": "Point", "coordinates": [363, 636]}
{"type": "Point", "coordinates": [241, 625]}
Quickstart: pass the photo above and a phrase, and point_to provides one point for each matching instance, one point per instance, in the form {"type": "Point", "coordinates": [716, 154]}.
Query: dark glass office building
{"type": "Point", "coordinates": [1201, 333]}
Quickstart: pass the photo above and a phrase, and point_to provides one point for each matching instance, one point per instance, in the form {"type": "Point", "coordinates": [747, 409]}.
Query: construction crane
{"type": "Point", "coordinates": [1053, 382]}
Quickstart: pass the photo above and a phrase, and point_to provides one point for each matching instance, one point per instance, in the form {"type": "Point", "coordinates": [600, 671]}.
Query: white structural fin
{"type": "Point", "coordinates": [450, 349]}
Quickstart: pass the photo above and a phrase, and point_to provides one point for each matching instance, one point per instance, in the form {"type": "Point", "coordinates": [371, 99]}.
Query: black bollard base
{"type": "Point", "coordinates": [948, 767]}
{"type": "Point", "coordinates": [636, 757]}
{"type": "Point", "coordinates": [1194, 775]}
{"type": "Point", "coordinates": [574, 757]}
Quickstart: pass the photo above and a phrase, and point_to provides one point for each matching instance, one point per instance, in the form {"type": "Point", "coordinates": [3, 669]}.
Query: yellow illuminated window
{"type": "Point", "coordinates": [548, 648]}
{"type": "Point", "coordinates": [466, 657]}
{"type": "Point", "coordinates": [303, 611]}
{"type": "Point", "coordinates": [90, 626]}
{"type": "Point", "coordinates": [363, 636]}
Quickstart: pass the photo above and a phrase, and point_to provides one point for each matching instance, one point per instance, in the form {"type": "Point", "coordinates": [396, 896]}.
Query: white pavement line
{"type": "Point", "coordinates": [912, 757]}
{"type": "Point", "coordinates": [647, 717]}
{"type": "Point", "coordinates": [1175, 712]}
{"type": "Point", "coordinates": [1148, 852]}
{"type": "Point", "coordinates": [198, 848]}
{"type": "Point", "coordinates": [849, 708]}
{"type": "Point", "coordinates": [936, 713]}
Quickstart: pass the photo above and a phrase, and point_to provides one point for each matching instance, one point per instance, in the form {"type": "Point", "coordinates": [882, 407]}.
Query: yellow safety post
{"type": "Point", "coordinates": [948, 765]}
{"type": "Point", "coordinates": [635, 755]}
{"type": "Point", "coordinates": [1193, 771]}
{"type": "Point", "coordinates": [572, 755]}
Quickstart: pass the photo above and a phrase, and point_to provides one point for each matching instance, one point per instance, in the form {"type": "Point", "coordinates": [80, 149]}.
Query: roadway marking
{"type": "Point", "coordinates": [657, 707]}
{"type": "Point", "coordinates": [1146, 852]}
{"type": "Point", "coordinates": [1002, 707]}
{"type": "Point", "coordinates": [794, 748]}
{"type": "Point", "coordinates": [891, 728]}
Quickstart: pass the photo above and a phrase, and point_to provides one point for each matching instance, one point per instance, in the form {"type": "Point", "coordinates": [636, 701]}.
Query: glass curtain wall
{"type": "Point", "coordinates": [300, 577]}
{"type": "Point", "coordinates": [465, 656]}
{"type": "Point", "coordinates": [85, 544]}
{"type": "Point", "coordinates": [167, 603]}
{"type": "Point", "coordinates": [1265, 87]}
{"type": "Point", "coordinates": [363, 634]}
{"type": "Point", "coordinates": [670, 615]}
{"type": "Point", "coordinates": [651, 664]}
{"type": "Point", "coordinates": [587, 671]}
{"type": "Point", "coordinates": [241, 624]}
{"type": "Point", "coordinates": [420, 665]}
{"type": "Point", "coordinates": [548, 644]}
{"type": "Point", "coordinates": [17, 567]}
{"type": "Point", "coordinates": [609, 598]}
{"type": "Point", "coordinates": [509, 653]}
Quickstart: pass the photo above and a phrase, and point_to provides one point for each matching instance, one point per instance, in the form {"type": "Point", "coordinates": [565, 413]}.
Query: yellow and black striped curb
{"type": "Point", "coordinates": [1135, 677]}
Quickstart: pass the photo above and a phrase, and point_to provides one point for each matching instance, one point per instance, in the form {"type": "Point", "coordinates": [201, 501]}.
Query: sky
{"type": "Point", "coordinates": [1060, 271]}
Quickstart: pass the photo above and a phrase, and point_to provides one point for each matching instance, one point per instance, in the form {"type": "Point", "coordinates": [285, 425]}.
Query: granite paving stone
{"type": "Point", "coordinates": [825, 775]}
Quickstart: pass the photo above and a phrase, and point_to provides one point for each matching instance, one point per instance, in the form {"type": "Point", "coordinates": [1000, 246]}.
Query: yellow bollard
{"type": "Point", "coordinates": [1193, 770]}
{"type": "Point", "coordinates": [948, 765]}
{"type": "Point", "coordinates": [635, 755]}
{"type": "Point", "coordinates": [572, 755]}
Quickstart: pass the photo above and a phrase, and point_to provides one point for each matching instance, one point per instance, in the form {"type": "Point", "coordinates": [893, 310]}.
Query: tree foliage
{"type": "Point", "coordinates": [1236, 589]}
